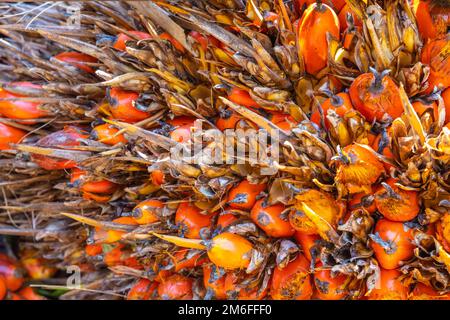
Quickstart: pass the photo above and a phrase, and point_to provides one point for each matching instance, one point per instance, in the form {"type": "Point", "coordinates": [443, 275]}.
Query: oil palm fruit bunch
{"type": "Point", "coordinates": [349, 199]}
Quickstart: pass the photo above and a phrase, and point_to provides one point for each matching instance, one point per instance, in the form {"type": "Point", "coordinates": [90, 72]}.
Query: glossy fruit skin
{"type": "Point", "coordinates": [123, 105]}
{"type": "Point", "coordinates": [214, 284]}
{"type": "Point", "coordinates": [385, 150]}
{"type": "Point", "coordinates": [404, 208]}
{"type": "Point", "coordinates": [329, 287]}
{"type": "Point", "coordinates": [242, 97]}
{"type": "Point", "coordinates": [434, 55]}
{"type": "Point", "coordinates": [269, 219]}
{"type": "Point", "coordinates": [340, 104]}
{"type": "Point", "coordinates": [191, 221]}
{"type": "Point", "coordinates": [362, 170]}
{"type": "Point", "coordinates": [77, 59]}
{"type": "Point", "coordinates": [157, 177]}
{"type": "Point", "coordinates": [146, 211]}
{"type": "Point", "coordinates": [241, 293]}
{"type": "Point", "coordinates": [20, 109]}
{"type": "Point", "coordinates": [107, 134]}
{"type": "Point", "coordinates": [3, 289]}
{"type": "Point", "coordinates": [143, 289]}
{"type": "Point", "coordinates": [306, 242]}
{"type": "Point", "coordinates": [282, 120]}
{"type": "Point", "coordinates": [292, 282]}
{"type": "Point", "coordinates": [230, 251]}
{"type": "Point", "coordinates": [317, 21]}
{"type": "Point", "coordinates": [13, 275]}
{"type": "Point", "coordinates": [373, 100]}
{"type": "Point", "coordinates": [392, 243]}
{"type": "Point", "coordinates": [182, 128]}
{"type": "Point", "coordinates": [176, 287]}
{"type": "Point", "coordinates": [99, 186]}
{"type": "Point", "coordinates": [112, 236]}
{"type": "Point", "coordinates": [224, 220]}
{"type": "Point", "coordinates": [446, 96]}
{"type": "Point", "coordinates": [9, 135]}
{"type": "Point", "coordinates": [228, 119]}
{"type": "Point", "coordinates": [321, 203]}
{"type": "Point", "coordinates": [389, 287]}
{"type": "Point", "coordinates": [66, 138]}
{"type": "Point", "coordinates": [431, 20]}
{"type": "Point", "coordinates": [243, 196]}
{"type": "Point", "coordinates": [424, 292]}
{"type": "Point", "coordinates": [119, 44]}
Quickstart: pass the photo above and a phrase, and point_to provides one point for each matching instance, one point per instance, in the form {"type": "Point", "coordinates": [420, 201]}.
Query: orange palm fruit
{"type": "Point", "coordinates": [19, 109]}
{"type": "Point", "coordinates": [120, 43]}
{"type": "Point", "coordinates": [107, 134]}
{"type": "Point", "coordinates": [146, 212]}
{"type": "Point", "coordinates": [176, 287]}
{"type": "Point", "coordinates": [191, 221]}
{"type": "Point", "coordinates": [8, 135]}
{"type": "Point", "coordinates": [124, 105]}
{"type": "Point", "coordinates": [375, 94]}
{"type": "Point", "coordinates": [292, 282]}
{"type": "Point", "coordinates": [243, 196]}
{"type": "Point", "coordinates": [269, 219]}
{"type": "Point", "coordinates": [389, 287]}
{"type": "Point", "coordinates": [435, 54]}
{"type": "Point", "coordinates": [77, 59]}
{"type": "Point", "coordinates": [143, 289]}
{"type": "Point", "coordinates": [318, 20]}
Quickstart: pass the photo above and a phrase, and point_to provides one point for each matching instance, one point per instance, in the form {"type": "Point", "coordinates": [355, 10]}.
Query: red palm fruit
{"type": "Point", "coordinates": [243, 196]}
{"type": "Point", "coordinates": [214, 284]}
{"type": "Point", "coordinates": [191, 221]}
{"type": "Point", "coordinates": [143, 289]}
{"type": "Point", "coordinates": [343, 13]}
{"type": "Point", "coordinates": [375, 94]}
{"type": "Point", "coordinates": [358, 169]}
{"type": "Point", "coordinates": [339, 103]}
{"type": "Point", "coordinates": [269, 219]}
{"type": "Point", "coordinates": [424, 292]}
{"type": "Point", "coordinates": [62, 139]}
{"type": "Point", "coordinates": [146, 212]}
{"type": "Point", "coordinates": [124, 105]}
{"type": "Point", "coordinates": [119, 255]}
{"type": "Point", "coordinates": [107, 134]}
{"type": "Point", "coordinates": [157, 177]}
{"type": "Point", "coordinates": [362, 200]}
{"type": "Point", "coordinates": [318, 20]}
{"type": "Point", "coordinates": [242, 293]}
{"type": "Point", "coordinates": [329, 287]}
{"type": "Point", "coordinates": [9, 135]}
{"type": "Point", "coordinates": [93, 249]}
{"type": "Point", "coordinates": [292, 282]}
{"type": "Point", "coordinates": [13, 275]}
{"type": "Point", "coordinates": [306, 242]}
{"type": "Point", "coordinates": [396, 204]}
{"type": "Point", "coordinates": [242, 97]}
{"type": "Point", "coordinates": [182, 128]}
{"type": "Point", "coordinates": [433, 19]}
{"type": "Point", "coordinates": [185, 259]}
{"type": "Point", "coordinates": [225, 220]}
{"type": "Point", "coordinates": [176, 44]}
{"type": "Point", "coordinates": [176, 287]}
{"type": "Point", "coordinates": [392, 243]}
{"type": "Point", "coordinates": [111, 236]}
{"type": "Point", "coordinates": [77, 59]}
{"type": "Point", "coordinates": [99, 186]}
{"type": "Point", "coordinates": [122, 38]}
{"type": "Point", "coordinates": [435, 54]}
{"type": "Point", "coordinates": [19, 109]}
{"type": "Point", "coordinates": [389, 287]}
{"type": "Point", "coordinates": [3, 289]}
